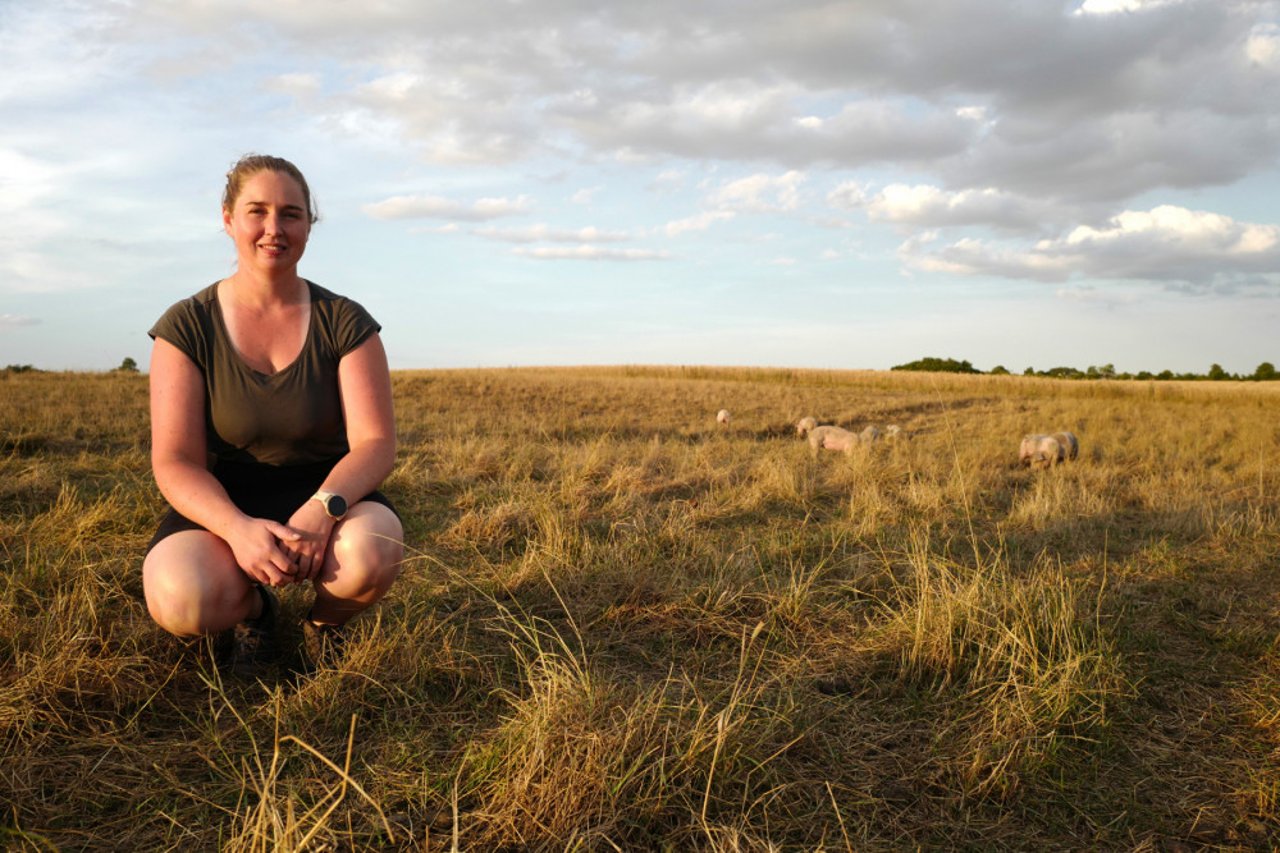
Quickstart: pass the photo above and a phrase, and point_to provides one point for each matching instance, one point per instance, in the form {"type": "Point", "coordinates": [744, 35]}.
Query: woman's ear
{"type": "Point", "coordinates": [226, 221]}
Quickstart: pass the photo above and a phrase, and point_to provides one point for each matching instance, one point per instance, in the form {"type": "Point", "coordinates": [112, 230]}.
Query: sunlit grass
{"type": "Point", "coordinates": [623, 627]}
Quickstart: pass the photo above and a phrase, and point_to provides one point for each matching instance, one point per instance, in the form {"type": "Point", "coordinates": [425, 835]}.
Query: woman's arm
{"type": "Point", "coordinates": [364, 385]}
{"type": "Point", "coordinates": [178, 460]}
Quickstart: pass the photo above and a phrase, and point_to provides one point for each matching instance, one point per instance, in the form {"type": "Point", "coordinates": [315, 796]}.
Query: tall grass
{"type": "Point", "coordinates": [622, 627]}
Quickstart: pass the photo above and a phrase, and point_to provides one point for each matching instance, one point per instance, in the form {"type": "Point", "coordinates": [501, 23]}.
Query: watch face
{"type": "Point", "coordinates": [337, 506]}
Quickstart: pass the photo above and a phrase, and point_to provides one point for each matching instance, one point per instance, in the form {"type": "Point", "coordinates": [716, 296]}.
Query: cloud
{"type": "Point", "coordinates": [848, 196]}
{"type": "Point", "coordinates": [1111, 7]}
{"type": "Point", "coordinates": [542, 232]}
{"type": "Point", "coordinates": [1113, 157]}
{"type": "Point", "coordinates": [590, 253]}
{"type": "Point", "coordinates": [438, 207]}
{"type": "Point", "coordinates": [1091, 295]}
{"type": "Point", "coordinates": [759, 193]}
{"type": "Point", "coordinates": [13, 321]}
{"type": "Point", "coordinates": [296, 84]}
{"type": "Point", "coordinates": [1165, 244]}
{"type": "Point", "coordinates": [973, 93]}
{"type": "Point", "coordinates": [700, 222]}
{"type": "Point", "coordinates": [931, 207]}
{"type": "Point", "coordinates": [1263, 46]}
{"type": "Point", "coordinates": [739, 121]}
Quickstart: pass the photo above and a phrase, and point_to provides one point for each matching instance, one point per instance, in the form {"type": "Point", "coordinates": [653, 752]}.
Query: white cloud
{"type": "Point", "coordinates": [760, 193]}
{"type": "Point", "coordinates": [296, 85]}
{"type": "Point", "coordinates": [542, 232]}
{"type": "Point", "coordinates": [13, 321]}
{"type": "Point", "coordinates": [1263, 46]}
{"type": "Point", "coordinates": [848, 196]}
{"type": "Point", "coordinates": [668, 180]}
{"type": "Point", "coordinates": [1091, 295]}
{"type": "Point", "coordinates": [590, 253]}
{"type": "Point", "coordinates": [438, 207]}
{"type": "Point", "coordinates": [394, 88]}
{"type": "Point", "coordinates": [700, 222]}
{"type": "Point", "coordinates": [932, 207]}
{"type": "Point", "coordinates": [1111, 7]}
{"type": "Point", "coordinates": [1165, 244]}
{"type": "Point", "coordinates": [586, 195]}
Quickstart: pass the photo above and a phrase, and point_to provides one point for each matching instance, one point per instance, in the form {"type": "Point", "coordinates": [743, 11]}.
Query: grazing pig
{"type": "Point", "coordinates": [722, 417]}
{"type": "Point", "coordinates": [1070, 444]}
{"type": "Point", "coordinates": [1039, 451]}
{"type": "Point", "coordinates": [804, 425]}
{"type": "Point", "coordinates": [832, 438]}
{"type": "Point", "coordinates": [836, 438]}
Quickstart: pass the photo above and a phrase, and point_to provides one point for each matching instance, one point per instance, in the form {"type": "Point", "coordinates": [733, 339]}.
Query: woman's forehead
{"type": "Point", "coordinates": [269, 185]}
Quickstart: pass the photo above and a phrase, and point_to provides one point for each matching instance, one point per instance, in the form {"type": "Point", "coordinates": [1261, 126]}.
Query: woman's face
{"type": "Point", "coordinates": [269, 222]}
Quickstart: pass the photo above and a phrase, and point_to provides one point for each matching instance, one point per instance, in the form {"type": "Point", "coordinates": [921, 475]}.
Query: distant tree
{"type": "Point", "coordinates": [1217, 374]}
{"type": "Point", "coordinates": [18, 368]}
{"type": "Point", "coordinates": [999, 370]}
{"type": "Point", "coordinates": [1165, 374]}
{"type": "Point", "coordinates": [938, 365]}
{"type": "Point", "coordinates": [1063, 373]}
{"type": "Point", "coordinates": [1030, 371]}
{"type": "Point", "coordinates": [1107, 371]}
{"type": "Point", "coordinates": [1145, 374]}
{"type": "Point", "coordinates": [1266, 372]}
{"type": "Point", "coordinates": [127, 366]}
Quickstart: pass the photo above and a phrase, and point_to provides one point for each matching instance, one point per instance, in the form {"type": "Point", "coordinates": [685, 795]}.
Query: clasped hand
{"type": "Point", "coordinates": [278, 554]}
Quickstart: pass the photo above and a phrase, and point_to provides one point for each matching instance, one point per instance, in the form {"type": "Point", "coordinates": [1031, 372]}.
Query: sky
{"type": "Point", "coordinates": [793, 183]}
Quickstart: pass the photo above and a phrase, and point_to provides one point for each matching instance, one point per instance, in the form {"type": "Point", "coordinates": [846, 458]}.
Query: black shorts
{"type": "Point", "coordinates": [263, 491]}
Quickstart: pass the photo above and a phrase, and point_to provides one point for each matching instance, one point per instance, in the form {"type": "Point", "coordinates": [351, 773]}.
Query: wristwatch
{"type": "Point", "coordinates": [335, 506]}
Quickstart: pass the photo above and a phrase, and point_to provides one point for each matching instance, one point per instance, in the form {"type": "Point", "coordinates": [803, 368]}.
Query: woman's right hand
{"type": "Point", "coordinates": [257, 546]}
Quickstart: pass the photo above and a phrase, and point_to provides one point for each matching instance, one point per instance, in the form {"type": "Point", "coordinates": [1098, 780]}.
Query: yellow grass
{"type": "Point", "coordinates": [623, 627]}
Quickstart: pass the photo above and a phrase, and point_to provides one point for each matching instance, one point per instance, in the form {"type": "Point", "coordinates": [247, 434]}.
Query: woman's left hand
{"type": "Point", "coordinates": [308, 552]}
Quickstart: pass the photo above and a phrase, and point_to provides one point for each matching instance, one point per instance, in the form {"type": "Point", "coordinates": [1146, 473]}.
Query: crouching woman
{"type": "Point", "coordinates": [272, 429]}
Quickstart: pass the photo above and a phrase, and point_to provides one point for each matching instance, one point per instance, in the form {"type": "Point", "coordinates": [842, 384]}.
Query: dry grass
{"type": "Point", "coordinates": [623, 628]}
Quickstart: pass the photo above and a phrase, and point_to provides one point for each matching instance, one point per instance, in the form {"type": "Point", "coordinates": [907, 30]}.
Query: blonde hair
{"type": "Point", "coordinates": [249, 165]}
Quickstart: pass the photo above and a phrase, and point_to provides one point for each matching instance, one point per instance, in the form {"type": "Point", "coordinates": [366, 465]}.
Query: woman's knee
{"type": "Point", "coordinates": [192, 590]}
{"type": "Point", "coordinates": [364, 564]}
{"type": "Point", "coordinates": [367, 554]}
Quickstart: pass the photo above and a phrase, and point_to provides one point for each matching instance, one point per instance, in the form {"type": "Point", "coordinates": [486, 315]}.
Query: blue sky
{"type": "Point", "coordinates": [757, 182]}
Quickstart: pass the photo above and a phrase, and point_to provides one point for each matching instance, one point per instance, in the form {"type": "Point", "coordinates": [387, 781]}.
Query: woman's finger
{"type": "Point", "coordinates": [311, 566]}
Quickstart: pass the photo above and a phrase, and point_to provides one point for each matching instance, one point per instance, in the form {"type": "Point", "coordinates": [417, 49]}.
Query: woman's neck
{"type": "Point", "coordinates": [261, 291]}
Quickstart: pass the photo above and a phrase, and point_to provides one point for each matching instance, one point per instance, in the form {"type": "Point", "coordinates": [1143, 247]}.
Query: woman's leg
{"type": "Point", "coordinates": [193, 585]}
{"type": "Point", "coordinates": [363, 561]}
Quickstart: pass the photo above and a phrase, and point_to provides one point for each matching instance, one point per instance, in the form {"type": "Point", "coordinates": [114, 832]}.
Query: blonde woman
{"type": "Point", "coordinates": [272, 429]}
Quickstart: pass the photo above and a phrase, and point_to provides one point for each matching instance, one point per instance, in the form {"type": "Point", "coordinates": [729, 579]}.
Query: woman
{"type": "Point", "coordinates": [271, 430]}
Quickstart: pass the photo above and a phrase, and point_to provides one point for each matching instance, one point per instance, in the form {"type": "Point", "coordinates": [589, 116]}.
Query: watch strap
{"type": "Point", "coordinates": [328, 501]}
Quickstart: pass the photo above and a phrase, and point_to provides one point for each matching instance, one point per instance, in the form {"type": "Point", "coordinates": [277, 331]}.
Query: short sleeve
{"type": "Point", "coordinates": [354, 326]}
{"type": "Point", "coordinates": [181, 326]}
{"type": "Point", "coordinates": [344, 323]}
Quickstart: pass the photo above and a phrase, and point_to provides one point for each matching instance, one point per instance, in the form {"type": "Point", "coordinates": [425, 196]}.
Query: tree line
{"type": "Point", "coordinates": [1265, 372]}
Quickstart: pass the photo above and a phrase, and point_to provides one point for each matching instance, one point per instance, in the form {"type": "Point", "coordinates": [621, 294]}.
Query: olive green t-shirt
{"type": "Point", "coordinates": [291, 417]}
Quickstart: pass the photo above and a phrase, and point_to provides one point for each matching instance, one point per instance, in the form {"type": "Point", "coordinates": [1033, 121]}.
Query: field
{"type": "Point", "coordinates": [621, 627]}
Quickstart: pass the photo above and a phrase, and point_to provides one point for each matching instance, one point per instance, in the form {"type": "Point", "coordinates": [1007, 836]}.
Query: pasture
{"type": "Point", "coordinates": [622, 626]}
